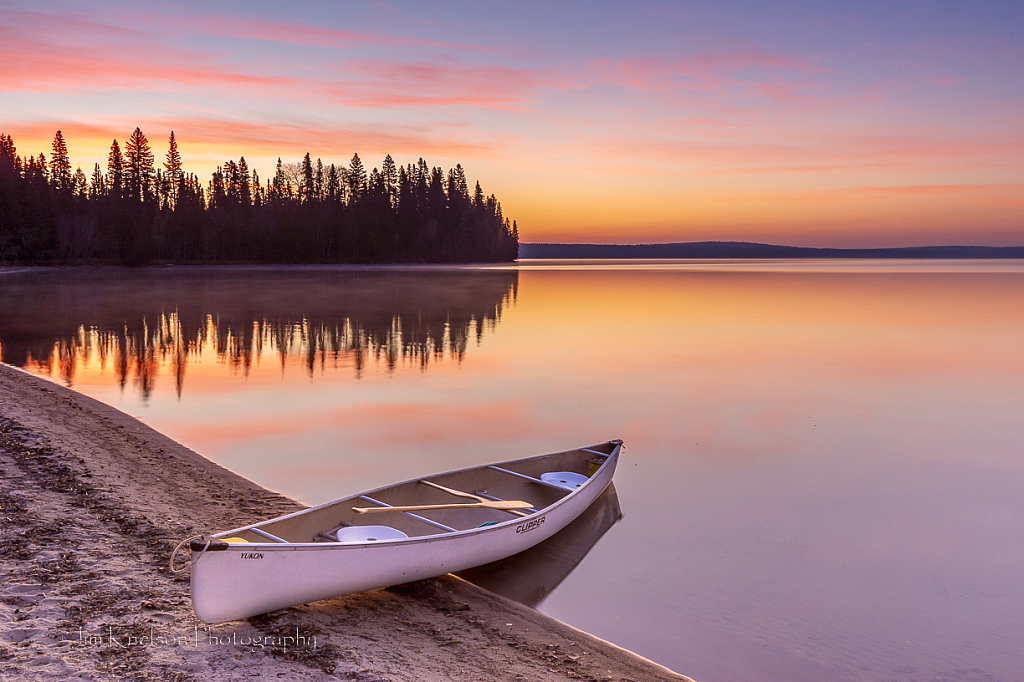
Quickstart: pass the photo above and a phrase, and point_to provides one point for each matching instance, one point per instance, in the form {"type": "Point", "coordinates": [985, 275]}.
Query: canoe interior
{"type": "Point", "coordinates": [487, 481]}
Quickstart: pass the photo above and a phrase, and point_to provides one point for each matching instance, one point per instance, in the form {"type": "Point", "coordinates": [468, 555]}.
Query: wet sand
{"type": "Point", "coordinates": [92, 504]}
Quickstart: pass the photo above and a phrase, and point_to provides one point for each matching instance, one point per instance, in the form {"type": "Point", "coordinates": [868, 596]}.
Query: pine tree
{"type": "Point", "coordinates": [217, 194]}
{"type": "Point", "coordinates": [437, 200]}
{"type": "Point", "coordinates": [478, 196]}
{"type": "Point", "coordinates": [318, 183]}
{"type": "Point", "coordinates": [390, 175]}
{"type": "Point", "coordinates": [375, 184]}
{"type": "Point", "coordinates": [8, 153]}
{"type": "Point", "coordinates": [80, 184]}
{"type": "Point", "coordinates": [457, 183]}
{"type": "Point", "coordinates": [60, 164]}
{"type": "Point", "coordinates": [98, 186]}
{"type": "Point", "coordinates": [356, 178]}
{"type": "Point", "coordinates": [230, 182]}
{"type": "Point", "coordinates": [281, 187]}
{"type": "Point", "coordinates": [115, 171]}
{"type": "Point", "coordinates": [307, 191]}
{"type": "Point", "coordinates": [257, 189]}
{"type": "Point", "coordinates": [244, 191]}
{"type": "Point", "coordinates": [172, 168]}
{"type": "Point", "coordinates": [161, 190]}
{"type": "Point", "coordinates": [332, 187]}
{"type": "Point", "coordinates": [138, 167]}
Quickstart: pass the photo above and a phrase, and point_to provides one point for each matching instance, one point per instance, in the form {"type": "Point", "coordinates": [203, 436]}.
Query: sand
{"type": "Point", "coordinates": [92, 503]}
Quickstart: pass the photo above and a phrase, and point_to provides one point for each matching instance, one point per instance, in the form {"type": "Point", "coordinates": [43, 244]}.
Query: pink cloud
{"type": "Point", "coordinates": [67, 26]}
{"type": "Point", "coordinates": [720, 82]}
{"type": "Point", "coordinates": [702, 71]}
{"type": "Point", "coordinates": [780, 90]}
{"type": "Point", "coordinates": [305, 36]}
{"type": "Point", "coordinates": [330, 140]}
{"type": "Point", "coordinates": [101, 56]}
{"type": "Point", "coordinates": [808, 152]}
{"type": "Point", "coordinates": [446, 82]}
{"type": "Point", "coordinates": [707, 63]}
{"type": "Point", "coordinates": [36, 61]}
{"type": "Point", "coordinates": [56, 73]}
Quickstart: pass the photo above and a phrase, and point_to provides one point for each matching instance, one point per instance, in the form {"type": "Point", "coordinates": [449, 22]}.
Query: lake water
{"type": "Point", "coordinates": [823, 474]}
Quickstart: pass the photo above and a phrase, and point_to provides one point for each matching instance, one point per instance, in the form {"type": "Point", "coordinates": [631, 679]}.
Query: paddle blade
{"type": "Point", "coordinates": [505, 505]}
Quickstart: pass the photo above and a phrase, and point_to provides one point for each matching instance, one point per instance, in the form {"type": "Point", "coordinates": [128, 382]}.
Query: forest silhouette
{"type": "Point", "coordinates": [135, 213]}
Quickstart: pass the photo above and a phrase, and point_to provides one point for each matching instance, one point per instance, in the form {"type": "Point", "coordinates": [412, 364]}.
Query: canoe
{"type": "Point", "coordinates": [418, 529]}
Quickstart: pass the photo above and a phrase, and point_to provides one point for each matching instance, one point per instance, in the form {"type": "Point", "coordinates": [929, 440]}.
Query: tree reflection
{"type": "Point", "coordinates": [147, 322]}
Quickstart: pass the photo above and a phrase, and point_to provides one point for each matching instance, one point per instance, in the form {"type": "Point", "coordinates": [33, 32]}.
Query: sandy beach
{"type": "Point", "coordinates": [94, 501]}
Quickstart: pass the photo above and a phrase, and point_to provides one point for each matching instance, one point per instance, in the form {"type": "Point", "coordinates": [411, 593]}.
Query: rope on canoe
{"type": "Point", "coordinates": [190, 563]}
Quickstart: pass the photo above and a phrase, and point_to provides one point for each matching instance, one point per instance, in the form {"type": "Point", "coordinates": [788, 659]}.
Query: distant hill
{"type": "Point", "coordinates": [755, 250]}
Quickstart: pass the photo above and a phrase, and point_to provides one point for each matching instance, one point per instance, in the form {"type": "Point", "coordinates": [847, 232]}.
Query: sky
{"type": "Point", "coordinates": [803, 123]}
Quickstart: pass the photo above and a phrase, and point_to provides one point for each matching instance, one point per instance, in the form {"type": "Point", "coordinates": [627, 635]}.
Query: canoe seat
{"type": "Point", "coordinates": [564, 479]}
{"type": "Point", "coordinates": [349, 534]}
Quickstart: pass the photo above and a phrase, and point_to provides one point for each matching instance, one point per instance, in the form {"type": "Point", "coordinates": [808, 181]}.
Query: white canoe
{"type": "Point", "coordinates": [331, 550]}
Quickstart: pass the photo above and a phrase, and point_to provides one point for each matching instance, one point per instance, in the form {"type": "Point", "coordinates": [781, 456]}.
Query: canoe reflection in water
{"type": "Point", "coordinates": [530, 576]}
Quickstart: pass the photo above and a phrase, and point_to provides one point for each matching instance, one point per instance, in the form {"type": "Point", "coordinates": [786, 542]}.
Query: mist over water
{"type": "Point", "coordinates": [823, 461]}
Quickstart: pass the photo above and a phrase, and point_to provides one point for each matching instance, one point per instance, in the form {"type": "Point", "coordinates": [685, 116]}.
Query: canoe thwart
{"type": "Point", "coordinates": [452, 491]}
{"type": "Point", "coordinates": [424, 519]}
{"type": "Point", "coordinates": [529, 478]}
{"type": "Point", "coordinates": [265, 534]}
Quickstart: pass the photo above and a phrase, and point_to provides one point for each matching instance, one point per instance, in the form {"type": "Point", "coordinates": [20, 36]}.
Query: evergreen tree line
{"type": "Point", "coordinates": [137, 213]}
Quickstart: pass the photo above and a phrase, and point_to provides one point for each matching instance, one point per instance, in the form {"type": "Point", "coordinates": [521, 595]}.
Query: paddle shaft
{"type": "Point", "coordinates": [502, 505]}
{"type": "Point", "coordinates": [452, 491]}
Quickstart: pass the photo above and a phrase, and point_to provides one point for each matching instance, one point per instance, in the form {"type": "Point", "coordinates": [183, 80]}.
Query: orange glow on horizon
{"type": "Point", "coordinates": [851, 217]}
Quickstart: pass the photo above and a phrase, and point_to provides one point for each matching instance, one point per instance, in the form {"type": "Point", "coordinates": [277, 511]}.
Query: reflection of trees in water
{"type": "Point", "coordinates": [139, 351]}
{"type": "Point", "coordinates": [393, 319]}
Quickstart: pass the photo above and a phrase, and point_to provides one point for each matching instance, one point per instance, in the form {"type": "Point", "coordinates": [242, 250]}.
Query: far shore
{"type": "Point", "coordinates": [93, 503]}
{"type": "Point", "coordinates": [758, 251]}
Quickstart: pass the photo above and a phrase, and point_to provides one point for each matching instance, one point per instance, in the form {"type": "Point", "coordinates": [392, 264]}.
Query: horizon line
{"type": "Point", "coordinates": [784, 246]}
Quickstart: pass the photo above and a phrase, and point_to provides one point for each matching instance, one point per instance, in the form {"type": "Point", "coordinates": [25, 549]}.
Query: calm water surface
{"type": "Point", "coordinates": [823, 476]}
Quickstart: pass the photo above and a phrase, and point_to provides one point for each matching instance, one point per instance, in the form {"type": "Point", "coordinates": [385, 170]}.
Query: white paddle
{"type": "Point", "coordinates": [503, 505]}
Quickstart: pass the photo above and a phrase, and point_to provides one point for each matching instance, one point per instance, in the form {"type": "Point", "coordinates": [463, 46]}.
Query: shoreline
{"type": "Point", "coordinates": [95, 501]}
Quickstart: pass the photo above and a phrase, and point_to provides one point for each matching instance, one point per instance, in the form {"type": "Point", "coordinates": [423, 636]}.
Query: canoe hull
{"type": "Point", "coordinates": [248, 579]}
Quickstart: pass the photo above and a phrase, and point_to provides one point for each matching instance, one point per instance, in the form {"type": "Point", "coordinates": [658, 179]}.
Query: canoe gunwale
{"type": "Point", "coordinates": [435, 537]}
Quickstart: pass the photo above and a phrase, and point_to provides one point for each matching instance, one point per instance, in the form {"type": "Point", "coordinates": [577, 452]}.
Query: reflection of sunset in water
{"type": "Point", "coordinates": [168, 349]}
{"type": "Point", "coordinates": [822, 471]}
